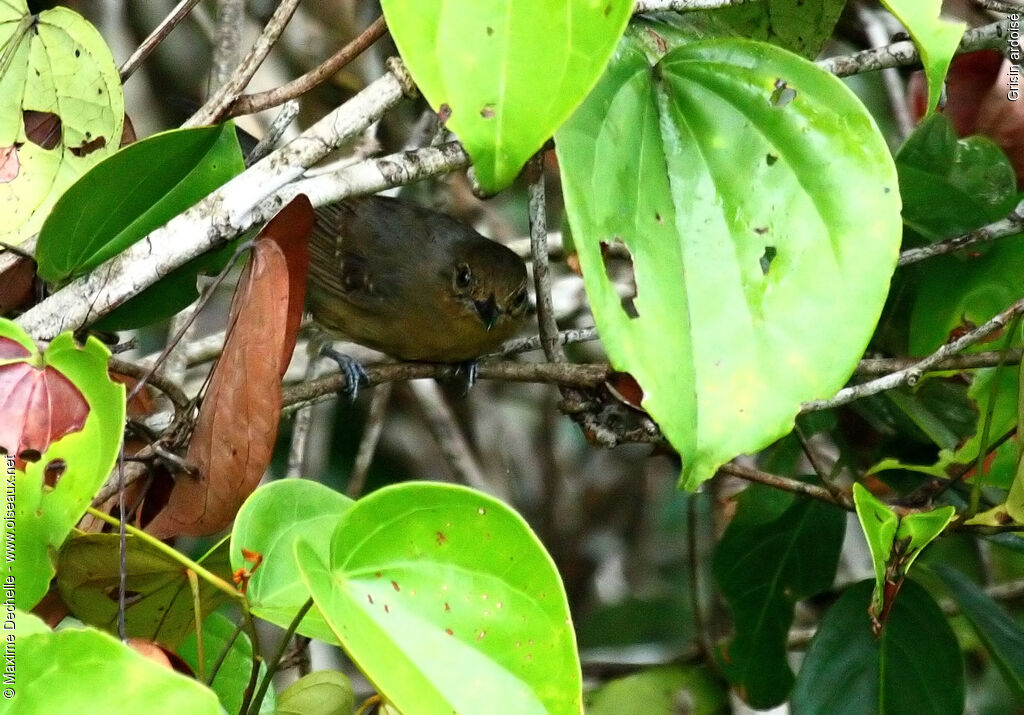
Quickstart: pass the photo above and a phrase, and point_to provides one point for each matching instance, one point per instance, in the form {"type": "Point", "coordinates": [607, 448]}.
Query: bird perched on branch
{"type": "Point", "coordinates": [411, 282]}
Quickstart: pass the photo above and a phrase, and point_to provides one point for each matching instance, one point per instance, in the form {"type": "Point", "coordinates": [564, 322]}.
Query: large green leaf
{"type": "Point", "coordinates": [763, 568]}
{"type": "Point", "coordinates": [71, 413]}
{"type": "Point", "coordinates": [86, 671]}
{"type": "Point", "coordinates": [447, 601]}
{"type": "Point", "coordinates": [509, 72]}
{"type": "Point", "coordinates": [269, 523]}
{"type": "Point", "coordinates": [761, 208]}
{"type": "Point", "coordinates": [129, 195]}
{"type": "Point", "coordinates": [1002, 636]}
{"type": "Point", "coordinates": [936, 39]}
{"type": "Point", "coordinates": [913, 666]}
{"type": "Point", "coordinates": [61, 110]}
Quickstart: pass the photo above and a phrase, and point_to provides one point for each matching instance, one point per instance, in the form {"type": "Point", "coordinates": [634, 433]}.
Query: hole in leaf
{"type": "Point", "coordinates": [767, 257]}
{"type": "Point", "coordinates": [89, 147]}
{"type": "Point", "coordinates": [42, 128]}
{"type": "Point", "coordinates": [52, 472]}
{"type": "Point", "coordinates": [618, 267]}
{"type": "Point", "coordinates": [129, 596]}
{"type": "Point", "coordinates": [487, 111]}
{"type": "Point", "coordinates": [770, 158]}
{"type": "Point", "coordinates": [782, 94]}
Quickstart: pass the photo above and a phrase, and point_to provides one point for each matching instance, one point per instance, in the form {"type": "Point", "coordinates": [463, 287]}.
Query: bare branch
{"type": "Point", "coordinates": [1012, 225]}
{"type": "Point", "coordinates": [910, 375]}
{"type": "Point", "coordinates": [250, 103]}
{"type": "Point", "coordinates": [215, 108]}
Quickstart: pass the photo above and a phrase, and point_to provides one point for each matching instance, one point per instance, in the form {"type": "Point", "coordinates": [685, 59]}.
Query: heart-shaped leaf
{"type": "Point", "coordinates": [61, 110]}
{"type": "Point", "coordinates": [447, 602]}
{"type": "Point", "coordinates": [161, 609]}
{"type": "Point", "coordinates": [760, 205]}
{"type": "Point", "coordinates": [272, 519]}
{"type": "Point", "coordinates": [57, 477]}
{"type": "Point", "coordinates": [505, 73]}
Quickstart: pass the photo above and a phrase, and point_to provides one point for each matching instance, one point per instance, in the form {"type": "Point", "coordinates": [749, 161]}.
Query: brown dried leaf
{"type": "Point", "coordinates": [237, 424]}
{"type": "Point", "coordinates": [17, 285]}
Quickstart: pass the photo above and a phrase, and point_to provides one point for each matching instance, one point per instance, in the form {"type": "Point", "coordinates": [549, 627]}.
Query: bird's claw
{"type": "Point", "coordinates": [355, 374]}
{"type": "Point", "coordinates": [469, 370]}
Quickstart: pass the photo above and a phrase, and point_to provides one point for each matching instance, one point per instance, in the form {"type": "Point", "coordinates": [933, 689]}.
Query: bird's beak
{"type": "Point", "coordinates": [488, 311]}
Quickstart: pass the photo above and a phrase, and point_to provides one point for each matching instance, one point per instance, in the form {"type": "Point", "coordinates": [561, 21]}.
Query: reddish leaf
{"type": "Point", "coordinates": [12, 350]}
{"type": "Point", "coordinates": [9, 164]}
{"type": "Point", "coordinates": [237, 424]}
{"type": "Point", "coordinates": [37, 407]}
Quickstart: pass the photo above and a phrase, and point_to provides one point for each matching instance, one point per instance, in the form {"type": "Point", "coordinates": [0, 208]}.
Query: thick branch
{"type": "Point", "coordinates": [222, 215]}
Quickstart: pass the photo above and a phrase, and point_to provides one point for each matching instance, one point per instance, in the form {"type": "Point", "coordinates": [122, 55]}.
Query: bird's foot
{"type": "Point", "coordinates": [355, 374]}
{"type": "Point", "coordinates": [465, 375]}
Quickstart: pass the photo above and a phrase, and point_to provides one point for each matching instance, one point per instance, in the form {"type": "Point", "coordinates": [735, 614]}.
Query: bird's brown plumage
{"type": "Point", "coordinates": [412, 283]}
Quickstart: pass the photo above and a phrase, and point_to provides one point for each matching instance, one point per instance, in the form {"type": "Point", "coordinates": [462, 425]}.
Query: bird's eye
{"type": "Point", "coordinates": [463, 276]}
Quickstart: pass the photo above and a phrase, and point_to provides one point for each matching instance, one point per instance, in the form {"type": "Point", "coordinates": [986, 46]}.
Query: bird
{"type": "Point", "coordinates": [412, 283]}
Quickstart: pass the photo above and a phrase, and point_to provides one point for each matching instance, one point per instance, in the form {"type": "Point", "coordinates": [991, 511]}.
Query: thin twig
{"type": "Point", "coordinates": [159, 33]}
{"type": "Point", "coordinates": [1012, 225]}
{"type": "Point", "coordinates": [215, 108]}
{"type": "Point", "coordinates": [567, 374]}
{"type": "Point", "coordinates": [972, 361]}
{"type": "Point", "coordinates": [911, 375]}
{"type": "Point", "coordinates": [250, 103]}
{"type": "Point", "coordinates": [905, 54]}
{"type": "Point", "coordinates": [300, 432]}
{"type": "Point", "coordinates": [227, 40]}
{"type": "Point", "coordinates": [371, 437]}
{"type": "Point", "coordinates": [683, 5]}
{"type": "Point", "coordinates": [541, 272]}
{"type": "Point", "coordinates": [275, 131]}
{"type": "Point", "coordinates": [450, 438]}
{"type": "Point", "coordinates": [895, 87]}
{"type": "Point", "coordinates": [170, 388]}
{"type": "Point", "coordinates": [786, 484]}
{"type": "Point", "coordinates": [533, 342]}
